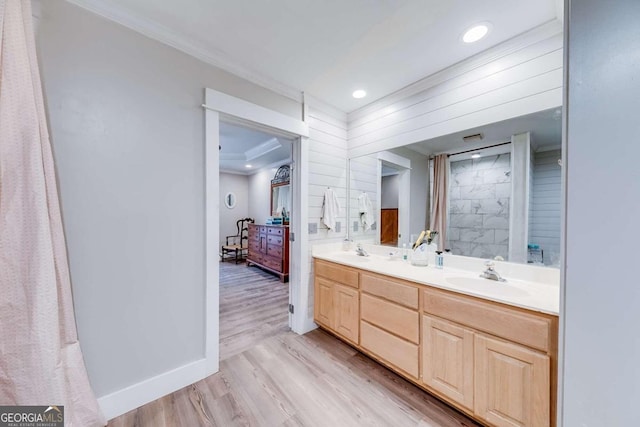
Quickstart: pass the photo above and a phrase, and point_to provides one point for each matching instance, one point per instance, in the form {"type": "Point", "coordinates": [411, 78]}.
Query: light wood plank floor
{"type": "Point", "coordinates": [253, 306]}
{"type": "Point", "coordinates": [278, 378]}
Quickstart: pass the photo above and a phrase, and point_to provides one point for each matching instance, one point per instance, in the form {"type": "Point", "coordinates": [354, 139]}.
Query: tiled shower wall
{"type": "Point", "coordinates": [479, 193]}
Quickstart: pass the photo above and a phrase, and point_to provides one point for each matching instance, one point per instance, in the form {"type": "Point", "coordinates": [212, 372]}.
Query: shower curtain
{"type": "Point", "coordinates": [439, 204]}
{"type": "Point", "coordinates": [40, 358]}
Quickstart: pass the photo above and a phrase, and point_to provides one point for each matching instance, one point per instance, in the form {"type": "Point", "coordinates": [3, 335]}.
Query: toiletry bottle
{"type": "Point", "coordinates": [404, 251]}
{"type": "Point", "coordinates": [439, 259]}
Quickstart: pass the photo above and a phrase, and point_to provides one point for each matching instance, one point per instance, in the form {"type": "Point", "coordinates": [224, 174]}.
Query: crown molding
{"type": "Point", "coordinates": [528, 38]}
{"type": "Point", "coordinates": [164, 35]}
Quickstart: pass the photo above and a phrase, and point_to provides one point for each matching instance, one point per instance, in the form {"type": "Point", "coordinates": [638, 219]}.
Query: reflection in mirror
{"type": "Point", "coordinates": [502, 196]}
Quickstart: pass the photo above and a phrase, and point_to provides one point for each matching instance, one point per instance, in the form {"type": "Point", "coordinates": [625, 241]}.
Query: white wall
{"type": "Point", "coordinates": [239, 185]}
{"type": "Point", "coordinates": [601, 312]}
{"type": "Point", "coordinates": [419, 188]}
{"type": "Point", "coordinates": [260, 194]}
{"type": "Point", "coordinates": [327, 168]}
{"type": "Point", "coordinates": [546, 216]}
{"type": "Point", "coordinates": [518, 77]}
{"type": "Point", "coordinates": [128, 136]}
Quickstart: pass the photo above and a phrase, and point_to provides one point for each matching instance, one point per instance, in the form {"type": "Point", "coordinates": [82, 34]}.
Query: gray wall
{"type": "Point", "coordinates": [479, 194]}
{"type": "Point", "coordinates": [601, 314]}
{"type": "Point", "coordinates": [260, 194]}
{"type": "Point", "coordinates": [545, 215]}
{"type": "Point", "coordinates": [128, 135]}
{"type": "Point", "coordinates": [419, 200]}
{"type": "Point", "coordinates": [239, 185]}
{"type": "Point", "coordinates": [389, 192]}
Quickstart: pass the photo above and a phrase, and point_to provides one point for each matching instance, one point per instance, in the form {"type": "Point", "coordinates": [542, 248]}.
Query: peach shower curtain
{"type": "Point", "coordinates": [439, 203]}
{"type": "Point", "coordinates": [40, 358]}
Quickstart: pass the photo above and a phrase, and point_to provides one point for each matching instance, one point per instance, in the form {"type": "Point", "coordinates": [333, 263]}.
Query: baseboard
{"type": "Point", "coordinates": [136, 395]}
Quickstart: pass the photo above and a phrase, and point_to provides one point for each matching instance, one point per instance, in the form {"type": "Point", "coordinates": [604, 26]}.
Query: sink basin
{"type": "Point", "coordinates": [350, 257]}
{"type": "Point", "coordinates": [487, 286]}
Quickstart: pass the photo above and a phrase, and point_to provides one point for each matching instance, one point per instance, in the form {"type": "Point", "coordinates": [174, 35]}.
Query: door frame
{"type": "Point", "coordinates": [404, 197]}
{"type": "Point", "coordinates": [219, 106]}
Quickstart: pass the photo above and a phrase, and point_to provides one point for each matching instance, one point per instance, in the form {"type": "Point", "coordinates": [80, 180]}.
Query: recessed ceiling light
{"type": "Point", "coordinates": [475, 33]}
{"type": "Point", "coordinates": [247, 166]}
{"type": "Point", "coordinates": [476, 156]}
{"type": "Point", "coordinates": [357, 94]}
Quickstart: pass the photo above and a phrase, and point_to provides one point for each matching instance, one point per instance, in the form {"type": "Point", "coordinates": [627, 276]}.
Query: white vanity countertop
{"type": "Point", "coordinates": [541, 296]}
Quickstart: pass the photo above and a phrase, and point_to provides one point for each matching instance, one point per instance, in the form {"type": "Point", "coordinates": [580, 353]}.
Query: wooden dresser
{"type": "Point", "coordinates": [269, 248]}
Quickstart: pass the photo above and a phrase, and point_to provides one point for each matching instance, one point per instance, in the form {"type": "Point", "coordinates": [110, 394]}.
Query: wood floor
{"type": "Point", "coordinates": [253, 307]}
{"type": "Point", "coordinates": [278, 378]}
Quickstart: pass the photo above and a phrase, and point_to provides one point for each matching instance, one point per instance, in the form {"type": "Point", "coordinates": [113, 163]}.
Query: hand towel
{"type": "Point", "coordinates": [330, 209]}
{"type": "Point", "coordinates": [365, 208]}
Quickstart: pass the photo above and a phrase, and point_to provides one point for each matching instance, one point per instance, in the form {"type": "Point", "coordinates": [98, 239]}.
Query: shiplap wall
{"type": "Point", "coordinates": [518, 77]}
{"type": "Point", "coordinates": [327, 168]}
{"type": "Point", "coordinates": [546, 204]}
{"type": "Point", "coordinates": [364, 178]}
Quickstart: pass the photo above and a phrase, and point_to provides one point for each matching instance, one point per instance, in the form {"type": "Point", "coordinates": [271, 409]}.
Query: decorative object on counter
{"type": "Point", "coordinates": [330, 208]}
{"type": "Point", "coordinates": [420, 255]}
{"type": "Point", "coordinates": [427, 236]}
{"type": "Point", "coordinates": [535, 254]}
{"type": "Point", "coordinates": [439, 259]}
{"type": "Point", "coordinates": [365, 209]}
{"type": "Point", "coordinates": [346, 244]}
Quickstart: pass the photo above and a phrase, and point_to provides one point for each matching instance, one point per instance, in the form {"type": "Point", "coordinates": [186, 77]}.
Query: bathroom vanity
{"type": "Point", "coordinates": [485, 347]}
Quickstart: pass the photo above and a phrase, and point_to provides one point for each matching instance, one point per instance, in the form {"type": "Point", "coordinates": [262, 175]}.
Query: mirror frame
{"type": "Point", "coordinates": [280, 179]}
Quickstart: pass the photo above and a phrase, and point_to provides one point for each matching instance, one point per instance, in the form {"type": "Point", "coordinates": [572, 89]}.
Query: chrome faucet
{"type": "Point", "coordinates": [490, 273]}
{"type": "Point", "coordinates": [360, 250]}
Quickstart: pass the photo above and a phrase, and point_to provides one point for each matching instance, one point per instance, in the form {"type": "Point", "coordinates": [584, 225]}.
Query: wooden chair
{"type": "Point", "coordinates": [238, 244]}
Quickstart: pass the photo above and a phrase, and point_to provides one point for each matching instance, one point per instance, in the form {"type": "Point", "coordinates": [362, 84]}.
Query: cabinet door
{"type": "Point", "coordinates": [323, 305]}
{"type": "Point", "coordinates": [512, 385]}
{"type": "Point", "coordinates": [447, 359]}
{"type": "Point", "coordinates": [346, 306]}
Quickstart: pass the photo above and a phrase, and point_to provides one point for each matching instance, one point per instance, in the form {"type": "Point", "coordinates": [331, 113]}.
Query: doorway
{"type": "Point", "coordinates": [254, 301]}
{"type": "Point", "coordinates": [222, 107]}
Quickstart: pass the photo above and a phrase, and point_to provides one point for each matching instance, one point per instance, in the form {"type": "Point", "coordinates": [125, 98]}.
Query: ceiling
{"type": "Point", "coordinates": [329, 48]}
{"type": "Point", "coordinates": [545, 127]}
{"type": "Point", "coordinates": [241, 146]}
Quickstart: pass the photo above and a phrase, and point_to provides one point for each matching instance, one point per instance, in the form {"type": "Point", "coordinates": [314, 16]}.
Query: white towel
{"type": "Point", "coordinates": [330, 209]}
{"type": "Point", "coordinates": [365, 208]}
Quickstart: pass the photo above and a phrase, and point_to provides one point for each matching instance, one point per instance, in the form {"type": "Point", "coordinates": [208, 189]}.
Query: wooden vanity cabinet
{"type": "Point", "coordinates": [448, 359]}
{"type": "Point", "coordinates": [337, 301]}
{"type": "Point", "coordinates": [495, 362]}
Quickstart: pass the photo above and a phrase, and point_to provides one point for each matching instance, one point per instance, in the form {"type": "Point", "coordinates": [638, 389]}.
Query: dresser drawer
{"type": "Point", "coordinates": [278, 231]}
{"type": "Point", "coordinates": [394, 318]}
{"type": "Point", "coordinates": [274, 240]}
{"type": "Point", "coordinates": [389, 289]}
{"type": "Point", "coordinates": [254, 232]}
{"type": "Point", "coordinates": [499, 320]}
{"type": "Point", "coordinates": [337, 273]}
{"type": "Point", "coordinates": [275, 251]}
{"type": "Point", "coordinates": [396, 351]}
{"type": "Point", "coordinates": [254, 245]}
{"type": "Point", "coordinates": [254, 256]}
{"type": "Point", "coordinates": [263, 229]}
{"type": "Point", "coordinates": [272, 263]}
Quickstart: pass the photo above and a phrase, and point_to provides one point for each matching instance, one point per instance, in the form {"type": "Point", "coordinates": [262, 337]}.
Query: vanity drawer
{"type": "Point", "coordinates": [499, 320]}
{"type": "Point", "coordinates": [396, 351]}
{"type": "Point", "coordinates": [279, 231]}
{"type": "Point", "coordinates": [337, 273]}
{"type": "Point", "coordinates": [274, 240]}
{"type": "Point", "coordinates": [390, 289]}
{"type": "Point", "coordinates": [394, 318]}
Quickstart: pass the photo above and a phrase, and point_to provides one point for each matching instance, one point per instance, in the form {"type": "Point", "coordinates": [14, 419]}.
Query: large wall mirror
{"type": "Point", "coordinates": [502, 195]}
{"type": "Point", "coordinates": [281, 192]}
